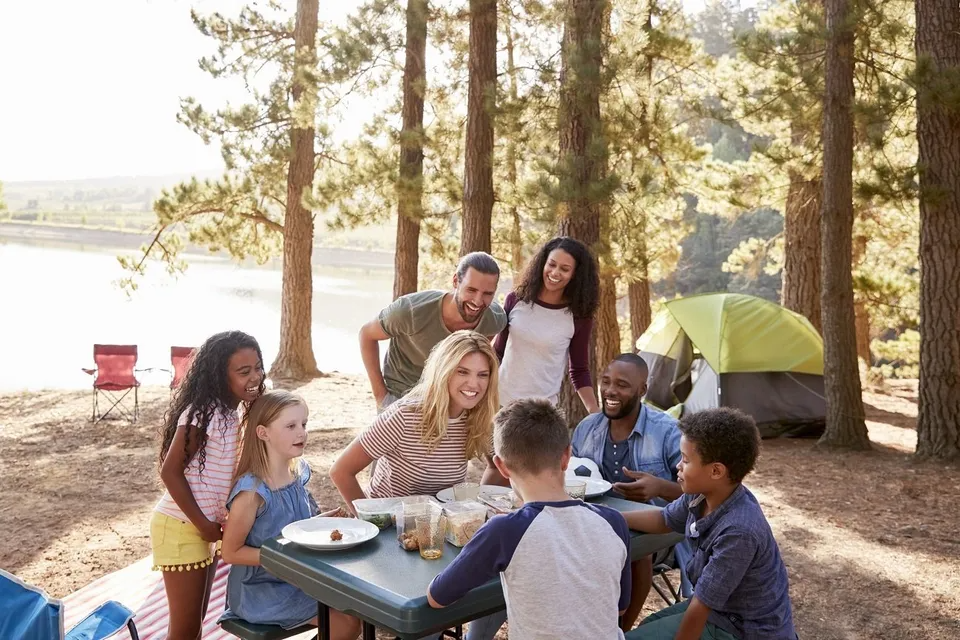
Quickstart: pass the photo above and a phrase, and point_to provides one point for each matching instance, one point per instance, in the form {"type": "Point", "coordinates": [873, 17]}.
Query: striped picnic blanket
{"type": "Point", "coordinates": [141, 590]}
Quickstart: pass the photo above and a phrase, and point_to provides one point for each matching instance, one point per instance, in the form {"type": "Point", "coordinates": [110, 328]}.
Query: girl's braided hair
{"type": "Point", "coordinates": [205, 388]}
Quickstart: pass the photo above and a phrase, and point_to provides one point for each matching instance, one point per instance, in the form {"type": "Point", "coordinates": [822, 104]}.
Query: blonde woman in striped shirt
{"type": "Point", "coordinates": [424, 441]}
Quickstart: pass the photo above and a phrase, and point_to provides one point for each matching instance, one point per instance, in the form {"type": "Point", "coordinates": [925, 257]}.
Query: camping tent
{"type": "Point", "coordinates": [735, 350]}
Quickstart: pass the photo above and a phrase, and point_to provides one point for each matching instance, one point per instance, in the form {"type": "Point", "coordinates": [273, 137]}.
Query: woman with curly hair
{"type": "Point", "coordinates": [198, 455]}
{"type": "Point", "coordinates": [549, 320]}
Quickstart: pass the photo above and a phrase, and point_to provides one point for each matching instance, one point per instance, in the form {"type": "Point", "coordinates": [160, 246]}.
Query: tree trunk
{"type": "Point", "coordinates": [410, 186]}
{"type": "Point", "coordinates": [801, 260]}
{"type": "Point", "coordinates": [607, 327]}
{"type": "Point", "coordinates": [938, 134]}
{"type": "Point", "coordinates": [516, 229]}
{"type": "Point", "coordinates": [861, 314]}
{"type": "Point", "coordinates": [638, 294]}
{"type": "Point", "coordinates": [481, 101]}
{"type": "Point", "coordinates": [583, 158]}
{"type": "Point", "coordinates": [845, 416]}
{"type": "Point", "coordinates": [295, 359]}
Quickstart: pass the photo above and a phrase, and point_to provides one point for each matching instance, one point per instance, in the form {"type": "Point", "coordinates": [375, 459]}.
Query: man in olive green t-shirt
{"type": "Point", "coordinates": [414, 323]}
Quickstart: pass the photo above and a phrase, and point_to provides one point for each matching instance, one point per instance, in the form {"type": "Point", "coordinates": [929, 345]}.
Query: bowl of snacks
{"type": "Point", "coordinates": [464, 519]}
{"type": "Point", "coordinates": [379, 511]}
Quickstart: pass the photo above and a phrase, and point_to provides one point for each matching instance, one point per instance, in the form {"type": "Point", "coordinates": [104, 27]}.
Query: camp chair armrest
{"type": "Point", "coordinates": [90, 372]}
{"type": "Point", "coordinates": [104, 622]}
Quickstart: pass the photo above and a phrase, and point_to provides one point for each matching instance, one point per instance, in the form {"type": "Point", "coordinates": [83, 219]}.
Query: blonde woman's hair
{"type": "Point", "coordinates": [253, 452]}
{"type": "Point", "coordinates": [433, 396]}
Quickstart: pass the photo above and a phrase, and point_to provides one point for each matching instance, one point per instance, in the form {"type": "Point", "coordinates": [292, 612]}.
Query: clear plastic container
{"type": "Point", "coordinates": [379, 511]}
{"type": "Point", "coordinates": [406, 518]}
{"type": "Point", "coordinates": [463, 520]}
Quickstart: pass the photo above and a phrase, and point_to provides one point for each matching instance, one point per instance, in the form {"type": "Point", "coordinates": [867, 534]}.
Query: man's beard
{"type": "Point", "coordinates": [462, 308]}
{"type": "Point", "coordinates": [626, 408]}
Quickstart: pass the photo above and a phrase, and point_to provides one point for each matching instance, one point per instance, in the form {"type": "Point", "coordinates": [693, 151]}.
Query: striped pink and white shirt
{"type": "Point", "coordinates": [405, 467]}
{"type": "Point", "coordinates": [211, 488]}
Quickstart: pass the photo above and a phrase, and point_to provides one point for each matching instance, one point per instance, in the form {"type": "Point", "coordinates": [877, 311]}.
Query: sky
{"type": "Point", "coordinates": [91, 88]}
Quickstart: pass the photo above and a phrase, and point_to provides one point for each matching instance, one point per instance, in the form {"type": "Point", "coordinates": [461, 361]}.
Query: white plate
{"type": "Point", "coordinates": [314, 533]}
{"type": "Point", "coordinates": [595, 486]}
{"type": "Point", "coordinates": [447, 494]}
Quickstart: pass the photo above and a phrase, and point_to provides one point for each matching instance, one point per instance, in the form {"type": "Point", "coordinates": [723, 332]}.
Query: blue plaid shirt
{"type": "Point", "coordinates": [736, 568]}
{"type": "Point", "coordinates": [654, 444]}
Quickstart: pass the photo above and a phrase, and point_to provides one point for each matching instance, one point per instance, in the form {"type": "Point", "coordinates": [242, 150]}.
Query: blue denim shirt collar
{"type": "Point", "coordinates": [640, 427]}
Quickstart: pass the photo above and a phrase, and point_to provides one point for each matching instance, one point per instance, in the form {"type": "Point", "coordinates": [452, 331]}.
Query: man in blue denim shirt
{"type": "Point", "coordinates": [637, 449]}
{"type": "Point", "coordinates": [741, 589]}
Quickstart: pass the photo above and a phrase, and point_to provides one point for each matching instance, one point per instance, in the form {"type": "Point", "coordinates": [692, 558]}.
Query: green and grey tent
{"type": "Point", "coordinates": [734, 350]}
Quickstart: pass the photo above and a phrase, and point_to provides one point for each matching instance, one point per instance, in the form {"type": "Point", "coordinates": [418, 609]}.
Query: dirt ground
{"type": "Point", "coordinates": [871, 540]}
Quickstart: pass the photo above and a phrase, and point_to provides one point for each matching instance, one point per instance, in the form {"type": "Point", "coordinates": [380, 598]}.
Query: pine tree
{"type": "Point", "coordinates": [481, 103]}
{"type": "Point", "coordinates": [272, 148]}
{"type": "Point", "coordinates": [845, 417]}
{"type": "Point", "coordinates": [410, 180]}
{"type": "Point", "coordinates": [938, 133]}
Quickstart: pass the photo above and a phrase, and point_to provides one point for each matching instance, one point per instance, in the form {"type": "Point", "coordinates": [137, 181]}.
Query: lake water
{"type": "Point", "coordinates": [57, 302]}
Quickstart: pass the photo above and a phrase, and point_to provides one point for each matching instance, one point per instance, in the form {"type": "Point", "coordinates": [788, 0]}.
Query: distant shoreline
{"type": "Point", "coordinates": [75, 236]}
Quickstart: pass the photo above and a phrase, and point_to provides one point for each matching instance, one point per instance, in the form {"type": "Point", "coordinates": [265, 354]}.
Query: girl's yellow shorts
{"type": "Point", "coordinates": [177, 545]}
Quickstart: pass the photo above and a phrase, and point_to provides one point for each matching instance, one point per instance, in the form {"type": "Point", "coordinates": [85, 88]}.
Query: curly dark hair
{"type": "Point", "coordinates": [204, 389]}
{"type": "Point", "coordinates": [583, 290]}
{"type": "Point", "coordinates": [724, 435]}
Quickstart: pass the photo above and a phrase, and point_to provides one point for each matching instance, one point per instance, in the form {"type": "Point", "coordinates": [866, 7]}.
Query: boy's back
{"type": "Point", "coordinates": [564, 567]}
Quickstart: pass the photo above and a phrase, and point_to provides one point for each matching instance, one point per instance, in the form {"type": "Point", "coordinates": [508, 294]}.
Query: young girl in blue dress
{"type": "Point", "coordinates": [269, 493]}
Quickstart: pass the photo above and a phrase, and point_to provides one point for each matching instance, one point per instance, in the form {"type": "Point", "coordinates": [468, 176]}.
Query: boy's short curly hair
{"type": "Point", "coordinates": [724, 435]}
{"type": "Point", "coordinates": [530, 435]}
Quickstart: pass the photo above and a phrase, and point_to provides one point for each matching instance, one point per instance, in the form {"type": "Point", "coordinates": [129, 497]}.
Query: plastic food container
{"type": "Point", "coordinates": [406, 518]}
{"type": "Point", "coordinates": [379, 511]}
{"type": "Point", "coordinates": [463, 520]}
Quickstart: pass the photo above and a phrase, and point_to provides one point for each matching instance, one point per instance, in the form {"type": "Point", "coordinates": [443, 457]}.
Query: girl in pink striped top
{"type": "Point", "coordinates": [198, 456]}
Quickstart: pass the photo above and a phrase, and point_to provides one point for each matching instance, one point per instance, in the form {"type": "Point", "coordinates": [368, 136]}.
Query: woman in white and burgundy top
{"type": "Point", "coordinates": [549, 320]}
{"type": "Point", "coordinates": [424, 441]}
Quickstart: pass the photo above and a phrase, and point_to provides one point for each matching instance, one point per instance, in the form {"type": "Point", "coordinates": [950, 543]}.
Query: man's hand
{"type": "Point", "coordinates": [643, 488]}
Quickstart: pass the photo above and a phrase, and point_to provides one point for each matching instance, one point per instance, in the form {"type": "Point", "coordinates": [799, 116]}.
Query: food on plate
{"type": "Point", "coordinates": [335, 535]}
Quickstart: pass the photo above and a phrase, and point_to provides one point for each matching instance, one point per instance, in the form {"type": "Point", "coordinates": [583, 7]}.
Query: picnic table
{"type": "Point", "coordinates": [385, 586]}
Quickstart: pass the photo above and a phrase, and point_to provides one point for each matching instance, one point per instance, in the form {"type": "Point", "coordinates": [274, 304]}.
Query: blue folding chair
{"type": "Point", "coordinates": [28, 613]}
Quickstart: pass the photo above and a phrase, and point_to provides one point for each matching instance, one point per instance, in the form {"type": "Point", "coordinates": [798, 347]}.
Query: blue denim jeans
{"type": "Point", "coordinates": [486, 628]}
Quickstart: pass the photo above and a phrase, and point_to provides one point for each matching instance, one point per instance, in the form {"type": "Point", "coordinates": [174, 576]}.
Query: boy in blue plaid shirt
{"type": "Point", "coordinates": [739, 579]}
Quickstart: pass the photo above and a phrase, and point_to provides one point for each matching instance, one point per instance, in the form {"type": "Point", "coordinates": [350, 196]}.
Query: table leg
{"type": "Point", "coordinates": [369, 631]}
{"type": "Point", "coordinates": [323, 621]}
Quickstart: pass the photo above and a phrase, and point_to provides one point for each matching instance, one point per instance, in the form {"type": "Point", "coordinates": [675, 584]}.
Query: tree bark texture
{"type": "Point", "coordinates": [583, 152]}
{"type": "Point", "coordinates": [606, 326]}
{"type": "Point", "coordinates": [845, 417]}
{"type": "Point", "coordinates": [582, 166]}
{"type": "Point", "coordinates": [410, 186]}
{"type": "Point", "coordinates": [295, 359]}
{"type": "Point", "coordinates": [481, 102]}
{"type": "Point", "coordinates": [938, 134]}
{"type": "Point", "coordinates": [638, 294]}
{"type": "Point", "coordinates": [801, 260]}
{"type": "Point", "coordinates": [516, 228]}
{"type": "Point", "coordinates": [860, 311]}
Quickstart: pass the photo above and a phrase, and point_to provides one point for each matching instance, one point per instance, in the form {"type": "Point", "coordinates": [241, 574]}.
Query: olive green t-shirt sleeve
{"type": "Point", "coordinates": [493, 321]}
{"type": "Point", "coordinates": [396, 319]}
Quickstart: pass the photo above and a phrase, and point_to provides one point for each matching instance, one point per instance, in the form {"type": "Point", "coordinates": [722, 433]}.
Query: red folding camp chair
{"type": "Point", "coordinates": [115, 378]}
{"type": "Point", "coordinates": [180, 358]}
